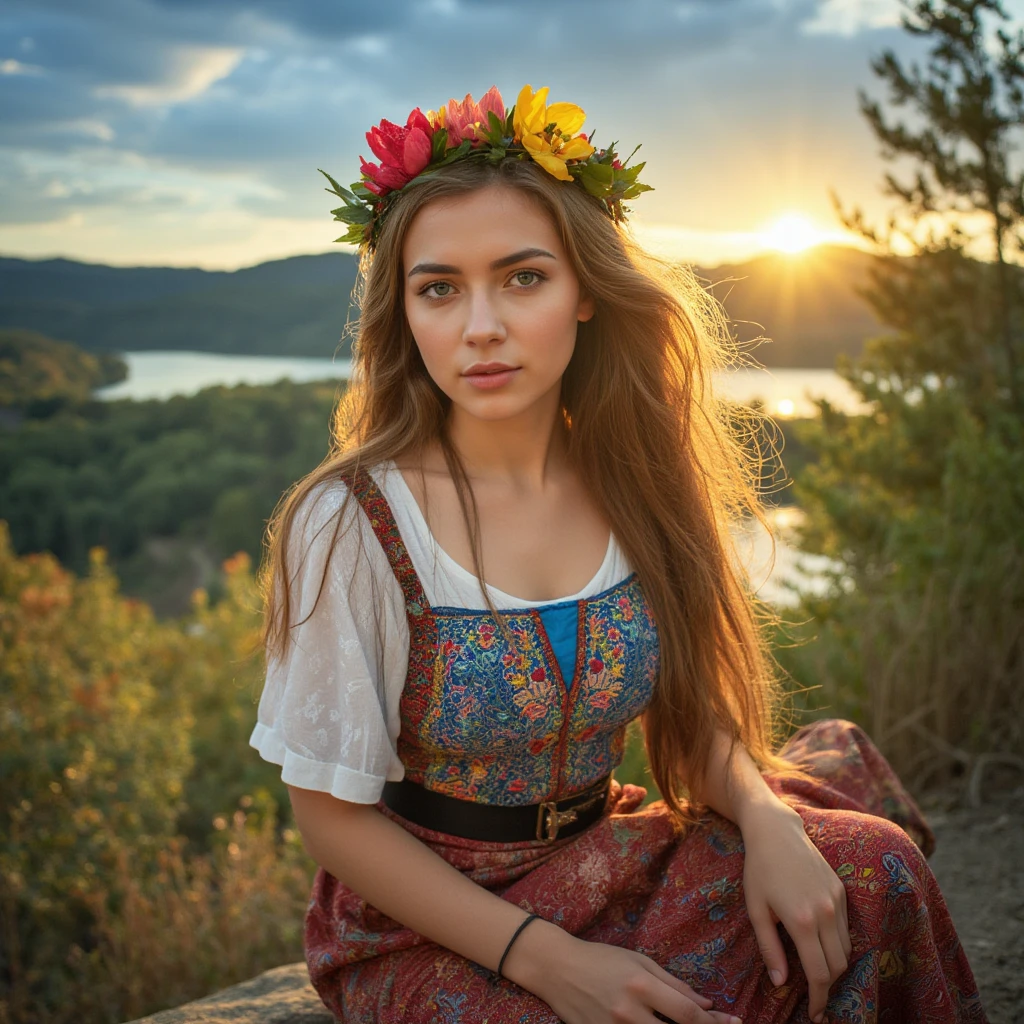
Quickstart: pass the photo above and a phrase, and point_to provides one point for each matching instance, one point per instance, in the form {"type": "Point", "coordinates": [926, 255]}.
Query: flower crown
{"type": "Point", "coordinates": [548, 134]}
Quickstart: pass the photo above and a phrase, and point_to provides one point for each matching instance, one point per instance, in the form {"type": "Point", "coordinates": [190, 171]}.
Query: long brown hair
{"type": "Point", "coordinates": [657, 450]}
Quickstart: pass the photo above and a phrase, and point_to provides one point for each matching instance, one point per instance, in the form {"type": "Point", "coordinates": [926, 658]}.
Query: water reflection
{"type": "Point", "coordinates": [792, 568]}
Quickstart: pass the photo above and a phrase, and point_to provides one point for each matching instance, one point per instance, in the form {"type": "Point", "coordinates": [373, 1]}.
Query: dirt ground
{"type": "Point", "coordinates": [979, 862]}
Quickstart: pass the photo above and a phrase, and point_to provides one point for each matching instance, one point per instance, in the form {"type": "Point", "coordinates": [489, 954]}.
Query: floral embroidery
{"type": "Point", "coordinates": [485, 720]}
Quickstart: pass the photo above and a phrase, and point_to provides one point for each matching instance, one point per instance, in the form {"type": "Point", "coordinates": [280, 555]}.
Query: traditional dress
{"type": "Point", "coordinates": [429, 690]}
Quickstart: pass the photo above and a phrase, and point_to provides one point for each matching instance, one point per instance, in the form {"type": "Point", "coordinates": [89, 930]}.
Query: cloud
{"type": "Point", "coordinates": [185, 73]}
{"type": "Point", "coordinates": [15, 67]}
{"type": "Point", "coordinates": [848, 17]}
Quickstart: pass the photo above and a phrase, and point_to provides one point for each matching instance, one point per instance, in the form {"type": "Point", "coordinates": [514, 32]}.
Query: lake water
{"type": "Point", "coordinates": [785, 392]}
{"type": "Point", "coordinates": [162, 374]}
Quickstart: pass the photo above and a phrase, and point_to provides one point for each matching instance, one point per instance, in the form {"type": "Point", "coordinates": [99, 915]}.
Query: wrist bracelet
{"type": "Point", "coordinates": [513, 939]}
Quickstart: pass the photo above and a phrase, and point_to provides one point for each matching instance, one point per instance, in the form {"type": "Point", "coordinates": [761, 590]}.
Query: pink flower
{"type": "Point", "coordinates": [462, 118]}
{"type": "Point", "coordinates": [403, 153]}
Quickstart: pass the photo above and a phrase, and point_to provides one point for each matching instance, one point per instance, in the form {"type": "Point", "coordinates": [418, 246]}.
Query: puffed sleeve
{"type": "Point", "coordinates": [328, 713]}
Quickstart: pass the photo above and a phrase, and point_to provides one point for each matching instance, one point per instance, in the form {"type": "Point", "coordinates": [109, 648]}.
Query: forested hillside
{"type": "Point", "coordinates": [39, 374]}
{"type": "Point", "coordinates": [806, 304]}
{"type": "Point", "coordinates": [294, 307]}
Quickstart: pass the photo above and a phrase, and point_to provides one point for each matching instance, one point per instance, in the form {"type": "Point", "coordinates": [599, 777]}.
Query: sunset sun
{"type": "Point", "coordinates": [792, 233]}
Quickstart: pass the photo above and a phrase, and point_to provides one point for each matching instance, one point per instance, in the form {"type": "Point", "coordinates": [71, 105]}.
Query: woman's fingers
{"type": "Point", "coordinates": [816, 970]}
{"type": "Point", "coordinates": [695, 1008]}
{"type": "Point", "coordinates": [673, 1006]}
{"type": "Point", "coordinates": [768, 942]}
{"type": "Point", "coordinates": [835, 956]}
{"type": "Point", "coordinates": [845, 931]}
{"type": "Point", "coordinates": [822, 939]}
{"type": "Point", "coordinates": [680, 986]}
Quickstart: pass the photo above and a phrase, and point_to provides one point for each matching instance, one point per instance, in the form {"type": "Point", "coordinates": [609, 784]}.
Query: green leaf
{"type": "Point", "coordinates": [356, 234]}
{"type": "Point", "coordinates": [438, 144]}
{"type": "Point", "coordinates": [338, 190]}
{"type": "Point", "coordinates": [357, 214]}
{"type": "Point", "coordinates": [458, 152]}
{"type": "Point", "coordinates": [630, 173]}
{"type": "Point", "coordinates": [634, 190]}
{"type": "Point", "coordinates": [495, 125]}
{"type": "Point", "coordinates": [603, 173]}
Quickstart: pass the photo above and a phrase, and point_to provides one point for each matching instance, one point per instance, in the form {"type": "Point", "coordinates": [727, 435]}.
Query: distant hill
{"type": "Point", "coordinates": [38, 375]}
{"type": "Point", "coordinates": [298, 306]}
{"type": "Point", "coordinates": [294, 307]}
{"type": "Point", "coordinates": [806, 304]}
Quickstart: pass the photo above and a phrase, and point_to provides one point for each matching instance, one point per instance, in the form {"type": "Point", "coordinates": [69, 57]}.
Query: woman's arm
{"type": "Point", "coordinates": [785, 877]}
{"type": "Point", "coordinates": [402, 877]}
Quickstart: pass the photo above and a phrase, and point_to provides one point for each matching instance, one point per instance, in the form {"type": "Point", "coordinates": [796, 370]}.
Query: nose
{"type": "Point", "coordinates": [483, 319]}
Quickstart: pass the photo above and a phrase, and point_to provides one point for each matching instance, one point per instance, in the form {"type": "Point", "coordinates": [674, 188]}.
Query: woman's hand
{"type": "Point", "coordinates": [595, 983]}
{"type": "Point", "coordinates": [786, 879]}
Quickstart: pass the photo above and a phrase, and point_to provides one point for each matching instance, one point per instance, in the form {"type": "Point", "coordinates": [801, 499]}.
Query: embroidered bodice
{"type": "Point", "coordinates": [481, 721]}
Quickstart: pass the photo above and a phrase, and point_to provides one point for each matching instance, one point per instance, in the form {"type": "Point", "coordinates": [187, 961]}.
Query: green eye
{"type": "Point", "coordinates": [526, 273]}
{"type": "Point", "coordinates": [435, 286]}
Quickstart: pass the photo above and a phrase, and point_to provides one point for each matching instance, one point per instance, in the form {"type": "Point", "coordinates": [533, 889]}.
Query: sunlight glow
{"type": "Point", "coordinates": [792, 233]}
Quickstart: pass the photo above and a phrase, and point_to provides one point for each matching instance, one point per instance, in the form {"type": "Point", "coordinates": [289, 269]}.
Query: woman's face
{"type": "Point", "coordinates": [488, 281]}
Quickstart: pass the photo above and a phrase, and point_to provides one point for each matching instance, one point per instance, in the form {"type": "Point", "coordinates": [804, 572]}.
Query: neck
{"type": "Point", "coordinates": [526, 449]}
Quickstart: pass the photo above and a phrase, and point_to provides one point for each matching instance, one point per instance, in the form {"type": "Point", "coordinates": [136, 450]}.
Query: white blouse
{"type": "Point", "coordinates": [329, 710]}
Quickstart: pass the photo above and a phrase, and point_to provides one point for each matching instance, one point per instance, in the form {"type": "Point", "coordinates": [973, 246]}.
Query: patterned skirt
{"type": "Point", "coordinates": [640, 880]}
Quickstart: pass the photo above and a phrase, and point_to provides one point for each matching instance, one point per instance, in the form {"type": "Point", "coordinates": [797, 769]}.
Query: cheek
{"type": "Point", "coordinates": [434, 334]}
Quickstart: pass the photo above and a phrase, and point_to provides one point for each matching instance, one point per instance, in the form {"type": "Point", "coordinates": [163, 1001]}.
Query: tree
{"type": "Point", "coordinates": [921, 500]}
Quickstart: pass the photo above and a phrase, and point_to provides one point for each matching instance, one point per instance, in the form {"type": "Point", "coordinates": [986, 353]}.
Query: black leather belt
{"type": "Point", "coordinates": [498, 823]}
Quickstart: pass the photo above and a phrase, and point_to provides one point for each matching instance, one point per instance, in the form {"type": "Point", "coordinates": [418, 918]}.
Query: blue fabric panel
{"type": "Point", "coordinates": [561, 621]}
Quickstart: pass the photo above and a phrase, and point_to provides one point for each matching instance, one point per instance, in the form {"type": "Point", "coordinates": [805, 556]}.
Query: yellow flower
{"type": "Point", "coordinates": [549, 133]}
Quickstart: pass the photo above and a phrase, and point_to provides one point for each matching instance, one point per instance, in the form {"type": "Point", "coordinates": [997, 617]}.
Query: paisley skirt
{"type": "Point", "coordinates": [640, 880]}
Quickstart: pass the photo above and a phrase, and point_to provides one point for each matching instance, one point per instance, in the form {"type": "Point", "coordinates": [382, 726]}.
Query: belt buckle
{"type": "Point", "coordinates": [554, 821]}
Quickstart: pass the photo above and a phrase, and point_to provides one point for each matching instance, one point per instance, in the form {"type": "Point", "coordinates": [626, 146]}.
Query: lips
{"type": "Point", "coordinates": [488, 368]}
{"type": "Point", "coordinates": [489, 377]}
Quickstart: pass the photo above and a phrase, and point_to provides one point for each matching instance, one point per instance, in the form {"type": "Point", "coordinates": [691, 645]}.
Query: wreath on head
{"type": "Point", "coordinates": [548, 134]}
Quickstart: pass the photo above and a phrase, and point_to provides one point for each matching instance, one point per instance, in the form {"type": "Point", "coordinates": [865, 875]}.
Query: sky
{"type": "Point", "coordinates": [189, 132]}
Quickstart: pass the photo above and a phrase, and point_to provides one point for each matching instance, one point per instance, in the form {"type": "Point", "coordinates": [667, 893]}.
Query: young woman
{"type": "Point", "coordinates": [532, 407]}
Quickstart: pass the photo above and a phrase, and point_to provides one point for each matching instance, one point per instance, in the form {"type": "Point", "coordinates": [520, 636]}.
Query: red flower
{"type": "Point", "coordinates": [516, 786]}
{"type": "Point", "coordinates": [596, 664]}
{"type": "Point", "coordinates": [536, 746]}
{"type": "Point", "coordinates": [537, 675]}
{"type": "Point", "coordinates": [403, 153]}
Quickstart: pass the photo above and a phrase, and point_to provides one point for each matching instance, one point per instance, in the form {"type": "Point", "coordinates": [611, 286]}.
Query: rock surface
{"type": "Point", "coordinates": [279, 996]}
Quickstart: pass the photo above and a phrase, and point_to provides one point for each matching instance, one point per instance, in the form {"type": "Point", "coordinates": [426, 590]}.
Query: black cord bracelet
{"type": "Point", "coordinates": [513, 939]}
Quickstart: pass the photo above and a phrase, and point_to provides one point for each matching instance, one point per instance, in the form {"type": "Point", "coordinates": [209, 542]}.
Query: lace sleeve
{"type": "Point", "coordinates": [328, 713]}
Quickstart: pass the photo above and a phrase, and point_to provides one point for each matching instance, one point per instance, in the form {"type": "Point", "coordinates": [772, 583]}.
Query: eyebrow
{"type": "Point", "coordinates": [505, 261]}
